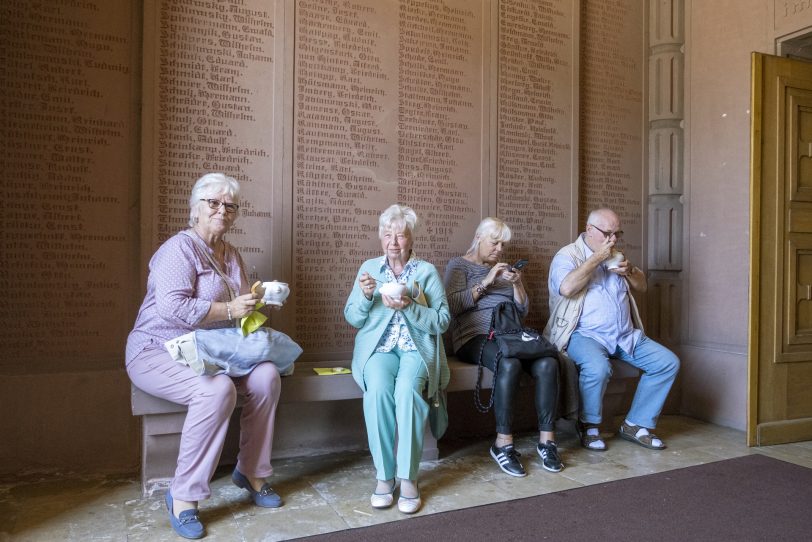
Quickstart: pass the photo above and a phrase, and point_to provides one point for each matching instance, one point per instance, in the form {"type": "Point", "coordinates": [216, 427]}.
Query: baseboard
{"type": "Point", "coordinates": [784, 431]}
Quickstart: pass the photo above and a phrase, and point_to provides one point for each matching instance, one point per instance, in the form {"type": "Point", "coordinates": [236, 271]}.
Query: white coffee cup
{"type": "Point", "coordinates": [614, 261]}
{"type": "Point", "coordinates": [275, 292]}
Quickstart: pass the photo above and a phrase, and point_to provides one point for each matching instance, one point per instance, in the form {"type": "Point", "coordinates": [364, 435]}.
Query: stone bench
{"type": "Point", "coordinates": [162, 420]}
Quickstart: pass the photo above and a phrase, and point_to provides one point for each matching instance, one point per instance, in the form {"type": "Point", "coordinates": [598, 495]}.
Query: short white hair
{"type": "Point", "coordinates": [211, 184]}
{"type": "Point", "coordinates": [599, 212]}
{"type": "Point", "coordinates": [399, 217]}
{"type": "Point", "coordinates": [492, 227]}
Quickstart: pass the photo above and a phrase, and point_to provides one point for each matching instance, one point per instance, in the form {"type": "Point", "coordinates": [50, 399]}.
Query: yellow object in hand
{"type": "Point", "coordinates": [253, 321]}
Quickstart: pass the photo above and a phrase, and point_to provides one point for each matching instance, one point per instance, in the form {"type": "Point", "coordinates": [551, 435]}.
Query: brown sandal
{"type": "Point", "coordinates": [629, 432]}
{"type": "Point", "coordinates": [591, 442]}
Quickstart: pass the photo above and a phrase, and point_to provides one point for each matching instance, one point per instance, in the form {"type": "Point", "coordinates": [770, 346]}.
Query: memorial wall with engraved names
{"type": "Point", "coordinates": [211, 80]}
{"type": "Point", "coordinates": [327, 111]}
{"type": "Point", "coordinates": [69, 167]}
{"type": "Point", "coordinates": [388, 108]}
{"type": "Point", "coordinates": [613, 68]}
{"type": "Point", "coordinates": [536, 135]}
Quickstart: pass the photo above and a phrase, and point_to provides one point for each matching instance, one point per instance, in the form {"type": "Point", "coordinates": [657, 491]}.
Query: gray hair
{"type": "Point", "coordinates": [211, 184]}
{"type": "Point", "coordinates": [492, 227]}
{"type": "Point", "coordinates": [397, 216]}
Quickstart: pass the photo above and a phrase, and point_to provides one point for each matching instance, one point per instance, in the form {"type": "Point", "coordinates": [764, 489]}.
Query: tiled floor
{"type": "Point", "coordinates": [330, 493]}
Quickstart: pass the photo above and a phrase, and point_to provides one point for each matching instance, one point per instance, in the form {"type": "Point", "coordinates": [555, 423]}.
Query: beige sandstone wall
{"type": "Point", "coordinates": [326, 112]}
{"type": "Point", "coordinates": [720, 36]}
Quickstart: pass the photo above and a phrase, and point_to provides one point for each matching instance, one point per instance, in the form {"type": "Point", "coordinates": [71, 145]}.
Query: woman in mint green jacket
{"type": "Point", "coordinates": [396, 354]}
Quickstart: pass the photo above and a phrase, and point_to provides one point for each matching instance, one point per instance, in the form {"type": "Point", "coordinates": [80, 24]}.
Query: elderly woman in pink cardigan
{"type": "Point", "coordinates": [197, 280]}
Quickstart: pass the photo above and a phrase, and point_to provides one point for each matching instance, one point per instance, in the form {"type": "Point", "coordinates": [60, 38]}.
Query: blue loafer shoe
{"type": "Point", "coordinates": [187, 524]}
{"type": "Point", "coordinates": [265, 497]}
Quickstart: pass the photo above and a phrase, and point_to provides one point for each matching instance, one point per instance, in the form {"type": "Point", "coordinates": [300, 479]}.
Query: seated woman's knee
{"type": "Point", "coordinates": [379, 387]}
{"type": "Point", "coordinates": [510, 367]}
{"type": "Point", "coordinates": [220, 394]}
{"type": "Point", "coordinates": [408, 393]}
{"type": "Point", "coordinates": [545, 368]}
{"type": "Point", "coordinates": [265, 377]}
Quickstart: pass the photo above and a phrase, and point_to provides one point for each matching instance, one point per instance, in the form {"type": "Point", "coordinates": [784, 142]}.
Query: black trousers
{"type": "Point", "coordinates": [543, 370]}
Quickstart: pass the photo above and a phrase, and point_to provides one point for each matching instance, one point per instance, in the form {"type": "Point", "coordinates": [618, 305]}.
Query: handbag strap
{"type": "Point", "coordinates": [491, 336]}
{"type": "Point", "coordinates": [478, 389]}
{"type": "Point", "coordinates": [216, 267]}
{"type": "Point", "coordinates": [436, 398]}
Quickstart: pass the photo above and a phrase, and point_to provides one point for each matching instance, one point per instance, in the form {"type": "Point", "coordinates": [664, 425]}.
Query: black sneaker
{"type": "Point", "coordinates": [549, 456]}
{"type": "Point", "coordinates": [507, 459]}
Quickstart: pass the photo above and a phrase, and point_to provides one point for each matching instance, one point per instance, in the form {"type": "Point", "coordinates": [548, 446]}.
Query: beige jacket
{"type": "Point", "coordinates": [566, 311]}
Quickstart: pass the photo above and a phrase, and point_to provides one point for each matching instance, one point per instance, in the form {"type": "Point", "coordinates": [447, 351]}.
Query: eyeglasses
{"type": "Point", "coordinates": [607, 234]}
{"type": "Point", "coordinates": [215, 204]}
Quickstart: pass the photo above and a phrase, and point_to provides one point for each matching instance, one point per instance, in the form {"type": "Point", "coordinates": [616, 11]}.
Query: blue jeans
{"type": "Point", "coordinates": [658, 364]}
{"type": "Point", "coordinates": [393, 403]}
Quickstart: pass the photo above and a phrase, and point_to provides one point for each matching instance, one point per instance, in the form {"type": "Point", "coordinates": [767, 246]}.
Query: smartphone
{"type": "Point", "coordinates": [519, 264]}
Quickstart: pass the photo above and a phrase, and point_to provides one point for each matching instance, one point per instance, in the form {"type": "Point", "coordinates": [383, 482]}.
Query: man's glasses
{"type": "Point", "coordinates": [215, 204]}
{"type": "Point", "coordinates": [607, 234]}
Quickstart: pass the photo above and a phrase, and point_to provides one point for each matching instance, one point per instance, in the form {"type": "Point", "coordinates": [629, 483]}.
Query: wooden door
{"type": "Point", "coordinates": [780, 344]}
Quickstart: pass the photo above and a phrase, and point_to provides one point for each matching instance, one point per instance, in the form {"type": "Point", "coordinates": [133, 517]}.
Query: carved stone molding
{"type": "Point", "coordinates": [666, 157]}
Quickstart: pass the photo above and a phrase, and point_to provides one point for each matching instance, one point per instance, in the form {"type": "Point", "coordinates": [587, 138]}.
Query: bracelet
{"type": "Point", "coordinates": [228, 310]}
{"type": "Point", "coordinates": [480, 288]}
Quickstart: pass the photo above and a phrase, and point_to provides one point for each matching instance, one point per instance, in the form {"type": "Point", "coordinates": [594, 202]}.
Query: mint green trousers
{"type": "Point", "coordinates": [393, 403]}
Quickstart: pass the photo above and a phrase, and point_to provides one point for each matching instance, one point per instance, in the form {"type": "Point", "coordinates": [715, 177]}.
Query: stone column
{"type": "Point", "coordinates": [665, 179]}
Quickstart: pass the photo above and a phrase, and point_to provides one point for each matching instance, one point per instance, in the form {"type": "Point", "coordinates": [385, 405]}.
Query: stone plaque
{"type": "Point", "coordinates": [536, 134]}
{"type": "Point", "coordinates": [612, 108]}
{"type": "Point", "coordinates": [211, 79]}
{"type": "Point", "coordinates": [69, 158]}
{"type": "Point", "coordinates": [387, 108]}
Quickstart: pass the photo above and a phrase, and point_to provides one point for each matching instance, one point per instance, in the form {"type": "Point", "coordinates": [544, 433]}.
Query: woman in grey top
{"type": "Point", "coordinates": [475, 283]}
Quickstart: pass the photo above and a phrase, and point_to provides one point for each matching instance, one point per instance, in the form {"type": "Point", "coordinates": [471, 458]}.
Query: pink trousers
{"type": "Point", "coordinates": [211, 400]}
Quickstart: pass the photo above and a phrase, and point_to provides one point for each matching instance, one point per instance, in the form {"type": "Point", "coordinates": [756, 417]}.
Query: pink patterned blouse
{"type": "Point", "coordinates": [180, 289]}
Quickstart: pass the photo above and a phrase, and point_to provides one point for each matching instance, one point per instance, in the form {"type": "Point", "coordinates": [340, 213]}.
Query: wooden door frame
{"type": "Point", "coordinates": [769, 211]}
{"type": "Point", "coordinates": [756, 94]}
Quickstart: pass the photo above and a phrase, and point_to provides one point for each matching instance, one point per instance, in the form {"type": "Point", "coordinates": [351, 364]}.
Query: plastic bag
{"type": "Point", "coordinates": [228, 351]}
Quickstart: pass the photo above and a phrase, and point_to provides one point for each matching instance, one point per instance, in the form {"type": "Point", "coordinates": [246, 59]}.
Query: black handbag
{"type": "Point", "coordinates": [514, 341]}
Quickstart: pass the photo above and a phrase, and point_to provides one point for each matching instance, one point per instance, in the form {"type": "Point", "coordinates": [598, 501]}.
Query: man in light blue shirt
{"type": "Point", "coordinates": [593, 317]}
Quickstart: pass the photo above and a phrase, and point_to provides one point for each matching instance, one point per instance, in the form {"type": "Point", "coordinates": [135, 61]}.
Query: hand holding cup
{"type": "Point", "coordinates": [614, 261]}
{"type": "Point", "coordinates": [275, 293]}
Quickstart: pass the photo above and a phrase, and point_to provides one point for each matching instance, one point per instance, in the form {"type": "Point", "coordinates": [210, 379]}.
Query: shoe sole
{"type": "Point", "coordinates": [550, 469]}
{"type": "Point", "coordinates": [382, 504]}
{"type": "Point", "coordinates": [517, 475]}
{"type": "Point", "coordinates": [244, 484]}
{"type": "Point", "coordinates": [581, 436]}
{"type": "Point", "coordinates": [585, 447]}
{"type": "Point", "coordinates": [407, 507]}
{"type": "Point", "coordinates": [630, 438]}
{"type": "Point", "coordinates": [545, 467]}
{"type": "Point", "coordinates": [168, 500]}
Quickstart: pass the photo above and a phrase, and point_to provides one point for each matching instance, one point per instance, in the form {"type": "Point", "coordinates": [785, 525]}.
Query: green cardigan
{"type": "Point", "coordinates": [425, 324]}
